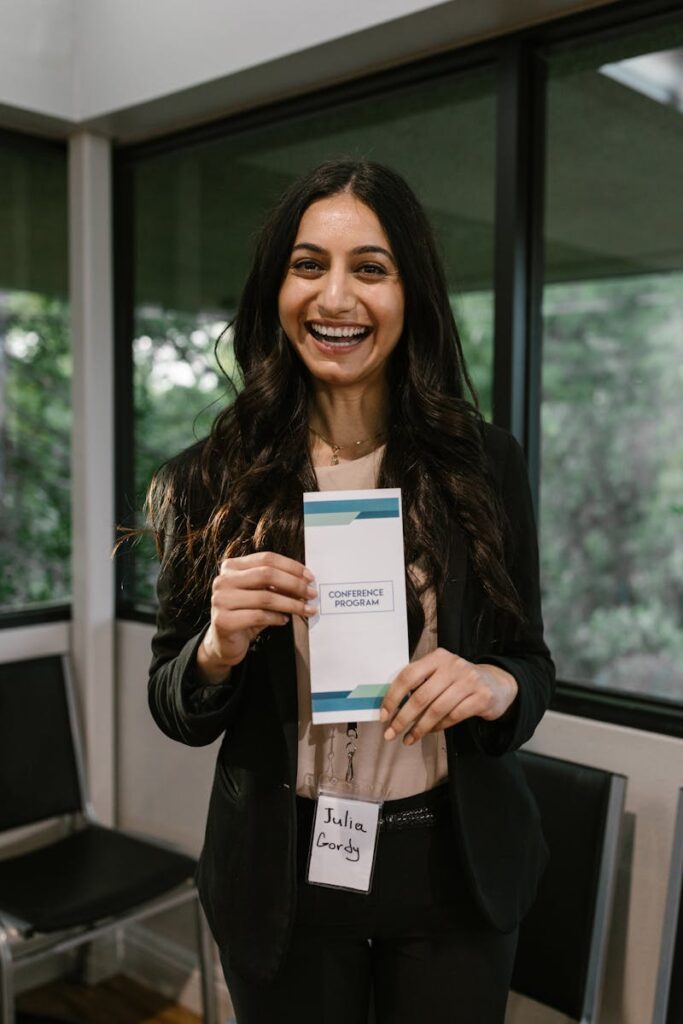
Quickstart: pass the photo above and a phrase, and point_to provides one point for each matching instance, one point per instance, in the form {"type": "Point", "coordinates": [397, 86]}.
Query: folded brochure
{"type": "Point", "coordinates": [358, 641]}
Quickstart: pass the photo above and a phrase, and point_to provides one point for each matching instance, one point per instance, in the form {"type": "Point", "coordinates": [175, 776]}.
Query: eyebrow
{"type": "Point", "coordinates": [358, 251]}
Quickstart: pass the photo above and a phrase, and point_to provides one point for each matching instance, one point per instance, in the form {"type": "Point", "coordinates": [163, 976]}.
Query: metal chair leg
{"type": "Point", "coordinates": [206, 966]}
{"type": "Point", "coordinates": [6, 981]}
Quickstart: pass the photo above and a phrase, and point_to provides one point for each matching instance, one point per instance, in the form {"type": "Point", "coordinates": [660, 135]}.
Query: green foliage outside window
{"type": "Point", "coordinates": [178, 391]}
{"type": "Point", "coordinates": [612, 482]}
{"type": "Point", "coordinates": [35, 423]}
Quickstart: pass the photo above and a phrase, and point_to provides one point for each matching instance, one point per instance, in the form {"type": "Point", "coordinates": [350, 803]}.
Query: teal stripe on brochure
{"type": "Point", "coordinates": [347, 704]}
{"type": "Point", "coordinates": [352, 505]}
{"type": "Point", "coordinates": [371, 514]}
{"type": "Point", "coordinates": [366, 690]}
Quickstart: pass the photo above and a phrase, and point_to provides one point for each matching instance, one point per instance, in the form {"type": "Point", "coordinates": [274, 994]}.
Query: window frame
{"type": "Point", "coordinates": [520, 60]}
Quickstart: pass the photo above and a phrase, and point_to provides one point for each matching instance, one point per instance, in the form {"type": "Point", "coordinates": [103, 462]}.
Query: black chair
{"type": "Point", "coordinates": [562, 943]}
{"type": "Point", "coordinates": [91, 879]}
{"type": "Point", "coordinates": [669, 993]}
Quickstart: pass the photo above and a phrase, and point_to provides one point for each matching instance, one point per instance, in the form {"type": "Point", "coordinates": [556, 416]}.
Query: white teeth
{"type": "Point", "coordinates": [338, 332]}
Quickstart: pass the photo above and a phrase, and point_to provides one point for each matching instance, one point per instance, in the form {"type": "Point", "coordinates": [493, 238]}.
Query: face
{"type": "Point", "coordinates": [341, 303]}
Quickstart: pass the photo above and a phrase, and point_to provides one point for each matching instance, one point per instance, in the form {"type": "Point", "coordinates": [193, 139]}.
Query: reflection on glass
{"type": "Point", "coordinates": [35, 374]}
{"type": "Point", "coordinates": [196, 212]}
{"type": "Point", "coordinates": [612, 414]}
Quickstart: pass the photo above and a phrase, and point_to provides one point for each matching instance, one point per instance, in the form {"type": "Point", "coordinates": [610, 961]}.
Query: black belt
{"type": "Point", "coordinates": [423, 810]}
{"type": "Point", "coordinates": [420, 817]}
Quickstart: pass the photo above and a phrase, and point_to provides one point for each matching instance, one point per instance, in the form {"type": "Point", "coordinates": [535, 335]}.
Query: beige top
{"type": "Point", "coordinates": [383, 770]}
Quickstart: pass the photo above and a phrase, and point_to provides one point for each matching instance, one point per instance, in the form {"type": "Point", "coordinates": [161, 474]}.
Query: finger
{"type": "Point", "coordinates": [263, 577]}
{"type": "Point", "coordinates": [417, 705]}
{"type": "Point", "coordinates": [414, 675]}
{"type": "Point", "coordinates": [247, 620]}
{"type": "Point", "coordinates": [409, 678]}
{"type": "Point", "coordinates": [271, 558]}
{"type": "Point", "coordinates": [440, 708]}
{"type": "Point", "coordinates": [231, 600]}
{"type": "Point", "coordinates": [467, 708]}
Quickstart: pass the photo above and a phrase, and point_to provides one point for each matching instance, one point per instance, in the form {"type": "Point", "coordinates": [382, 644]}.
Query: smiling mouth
{"type": "Point", "coordinates": [338, 337]}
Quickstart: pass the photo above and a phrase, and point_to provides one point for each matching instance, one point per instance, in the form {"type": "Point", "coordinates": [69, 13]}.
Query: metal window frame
{"type": "Point", "coordinates": [521, 60]}
{"type": "Point", "coordinates": [604, 902]}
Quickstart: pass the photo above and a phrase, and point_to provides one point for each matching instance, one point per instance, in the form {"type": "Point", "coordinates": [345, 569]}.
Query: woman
{"type": "Point", "coordinates": [354, 377]}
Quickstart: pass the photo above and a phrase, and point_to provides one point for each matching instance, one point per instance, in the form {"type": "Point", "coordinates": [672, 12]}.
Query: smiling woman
{"type": "Point", "coordinates": [341, 306]}
{"type": "Point", "coordinates": [354, 378]}
{"type": "Point", "coordinates": [333, 291]}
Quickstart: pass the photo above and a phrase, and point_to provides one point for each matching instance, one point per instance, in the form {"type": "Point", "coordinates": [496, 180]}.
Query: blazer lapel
{"type": "Point", "coordinates": [279, 647]}
{"type": "Point", "coordinates": [449, 610]}
{"type": "Point", "coordinates": [453, 626]}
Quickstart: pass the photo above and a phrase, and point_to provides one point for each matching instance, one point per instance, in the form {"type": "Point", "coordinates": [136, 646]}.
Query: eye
{"type": "Point", "coordinates": [306, 266]}
{"type": "Point", "coordinates": [371, 270]}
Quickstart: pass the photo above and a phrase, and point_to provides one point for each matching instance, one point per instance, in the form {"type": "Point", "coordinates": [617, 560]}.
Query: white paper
{"type": "Point", "coordinates": [358, 641]}
{"type": "Point", "coordinates": [343, 843]}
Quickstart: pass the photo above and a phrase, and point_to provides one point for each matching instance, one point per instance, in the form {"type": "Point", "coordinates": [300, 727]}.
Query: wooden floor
{"type": "Point", "coordinates": [116, 1001]}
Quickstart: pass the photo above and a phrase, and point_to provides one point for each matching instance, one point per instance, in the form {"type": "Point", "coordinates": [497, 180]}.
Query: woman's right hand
{"type": "Point", "coordinates": [248, 594]}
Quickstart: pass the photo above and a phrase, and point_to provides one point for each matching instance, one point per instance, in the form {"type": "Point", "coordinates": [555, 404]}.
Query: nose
{"type": "Point", "coordinates": [336, 293]}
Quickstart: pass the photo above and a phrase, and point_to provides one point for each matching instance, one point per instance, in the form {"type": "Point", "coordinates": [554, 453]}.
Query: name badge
{"type": "Point", "coordinates": [343, 842]}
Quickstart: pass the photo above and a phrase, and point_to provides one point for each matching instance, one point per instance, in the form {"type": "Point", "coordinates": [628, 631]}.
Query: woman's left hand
{"type": "Point", "coordinates": [443, 689]}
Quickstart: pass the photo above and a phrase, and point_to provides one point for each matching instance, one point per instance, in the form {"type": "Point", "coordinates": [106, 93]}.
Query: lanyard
{"type": "Point", "coordinates": [351, 748]}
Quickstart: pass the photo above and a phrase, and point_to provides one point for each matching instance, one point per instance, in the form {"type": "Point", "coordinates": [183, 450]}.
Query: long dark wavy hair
{"type": "Point", "coordinates": [240, 489]}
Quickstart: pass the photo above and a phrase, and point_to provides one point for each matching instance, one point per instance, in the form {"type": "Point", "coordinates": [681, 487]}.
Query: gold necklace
{"type": "Point", "coordinates": [336, 448]}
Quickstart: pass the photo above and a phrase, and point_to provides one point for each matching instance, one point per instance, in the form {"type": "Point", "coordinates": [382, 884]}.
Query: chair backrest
{"type": "Point", "coordinates": [669, 995]}
{"type": "Point", "coordinates": [562, 943]}
{"type": "Point", "coordinates": [41, 769]}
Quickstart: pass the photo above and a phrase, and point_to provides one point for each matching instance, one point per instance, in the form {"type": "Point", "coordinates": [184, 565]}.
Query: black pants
{"type": "Point", "coordinates": [416, 946]}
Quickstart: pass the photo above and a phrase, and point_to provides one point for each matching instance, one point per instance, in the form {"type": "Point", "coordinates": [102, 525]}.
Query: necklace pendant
{"type": "Point", "coordinates": [336, 448]}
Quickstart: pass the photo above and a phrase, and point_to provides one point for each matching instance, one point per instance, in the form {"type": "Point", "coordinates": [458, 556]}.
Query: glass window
{"type": "Point", "coordinates": [196, 211]}
{"type": "Point", "coordinates": [35, 374]}
{"type": "Point", "coordinates": [611, 513]}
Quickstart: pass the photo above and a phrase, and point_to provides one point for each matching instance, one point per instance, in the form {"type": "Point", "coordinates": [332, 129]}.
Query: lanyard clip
{"type": "Point", "coordinates": [351, 748]}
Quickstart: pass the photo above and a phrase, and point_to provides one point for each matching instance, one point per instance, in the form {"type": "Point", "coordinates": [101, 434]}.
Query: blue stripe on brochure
{"type": "Point", "coordinates": [388, 505]}
{"type": "Point", "coordinates": [348, 704]}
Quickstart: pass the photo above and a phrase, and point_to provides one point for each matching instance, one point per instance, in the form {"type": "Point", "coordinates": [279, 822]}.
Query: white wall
{"type": "Point", "coordinates": [163, 786]}
{"type": "Point", "coordinates": [131, 52]}
{"type": "Point", "coordinates": [129, 69]}
{"type": "Point", "coordinates": [37, 56]}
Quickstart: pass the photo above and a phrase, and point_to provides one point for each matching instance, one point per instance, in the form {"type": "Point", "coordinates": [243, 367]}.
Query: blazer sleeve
{"type": "Point", "coordinates": [182, 705]}
{"type": "Point", "coordinates": [521, 649]}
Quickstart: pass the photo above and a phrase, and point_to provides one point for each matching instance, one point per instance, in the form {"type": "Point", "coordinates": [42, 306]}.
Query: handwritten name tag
{"type": "Point", "coordinates": [343, 843]}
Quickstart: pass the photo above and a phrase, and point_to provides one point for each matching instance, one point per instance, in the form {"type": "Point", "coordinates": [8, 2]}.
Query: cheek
{"type": "Point", "coordinates": [290, 302]}
{"type": "Point", "coordinates": [283, 304]}
{"type": "Point", "coordinates": [393, 315]}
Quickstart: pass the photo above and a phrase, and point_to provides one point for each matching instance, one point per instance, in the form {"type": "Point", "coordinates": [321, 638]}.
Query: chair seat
{"type": "Point", "coordinates": [88, 876]}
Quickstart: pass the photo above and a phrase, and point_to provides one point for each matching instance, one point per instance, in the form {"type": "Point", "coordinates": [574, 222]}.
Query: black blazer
{"type": "Point", "coordinates": [247, 869]}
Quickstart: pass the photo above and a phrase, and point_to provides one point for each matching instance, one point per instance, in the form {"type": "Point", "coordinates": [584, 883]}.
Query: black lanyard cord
{"type": "Point", "coordinates": [351, 748]}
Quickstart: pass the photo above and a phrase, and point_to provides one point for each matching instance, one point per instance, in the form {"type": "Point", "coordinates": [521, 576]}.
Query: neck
{"type": "Point", "coordinates": [344, 416]}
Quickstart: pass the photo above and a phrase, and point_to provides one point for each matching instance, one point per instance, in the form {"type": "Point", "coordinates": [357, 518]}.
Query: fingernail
{"type": "Point", "coordinates": [311, 590]}
{"type": "Point", "coordinates": [409, 740]}
{"type": "Point", "coordinates": [383, 714]}
{"type": "Point", "coordinates": [310, 609]}
{"type": "Point", "coordinates": [389, 734]}
{"type": "Point", "coordinates": [308, 574]}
